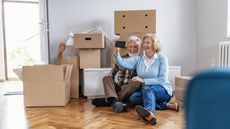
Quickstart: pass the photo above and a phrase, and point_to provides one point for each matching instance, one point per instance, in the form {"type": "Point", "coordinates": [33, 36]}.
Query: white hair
{"type": "Point", "coordinates": [135, 39]}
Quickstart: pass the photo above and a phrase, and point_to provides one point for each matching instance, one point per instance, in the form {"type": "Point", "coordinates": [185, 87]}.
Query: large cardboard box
{"type": "Point", "coordinates": [85, 40]}
{"type": "Point", "coordinates": [74, 80]}
{"type": "Point", "coordinates": [93, 81]}
{"type": "Point", "coordinates": [180, 84]}
{"type": "Point", "coordinates": [90, 58]}
{"type": "Point", "coordinates": [125, 36]}
{"type": "Point", "coordinates": [135, 21]}
{"type": "Point", "coordinates": [46, 85]}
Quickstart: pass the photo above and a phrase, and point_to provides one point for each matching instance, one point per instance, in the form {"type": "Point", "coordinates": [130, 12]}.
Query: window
{"type": "Point", "coordinates": [25, 38]}
{"type": "Point", "coordinates": [26, 1]}
{"type": "Point", "coordinates": [228, 29]}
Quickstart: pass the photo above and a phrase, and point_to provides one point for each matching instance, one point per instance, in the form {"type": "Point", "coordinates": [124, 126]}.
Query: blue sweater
{"type": "Point", "coordinates": [157, 73]}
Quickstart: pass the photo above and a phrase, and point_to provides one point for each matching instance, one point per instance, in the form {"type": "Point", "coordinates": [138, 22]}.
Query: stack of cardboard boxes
{"type": "Point", "coordinates": [89, 47]}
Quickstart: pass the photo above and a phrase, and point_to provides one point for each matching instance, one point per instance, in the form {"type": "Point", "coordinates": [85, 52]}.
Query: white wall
{"type": "Point", "coordinates": [210, 30]}
{"type": "Point", "coordinates": [175, 25]}
{"type": "Point", "coordinates": [2, 69]}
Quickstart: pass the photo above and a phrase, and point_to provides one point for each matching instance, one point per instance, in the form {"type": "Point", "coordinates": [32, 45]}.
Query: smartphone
{"type": "Point", "coordinates": [120, 44]}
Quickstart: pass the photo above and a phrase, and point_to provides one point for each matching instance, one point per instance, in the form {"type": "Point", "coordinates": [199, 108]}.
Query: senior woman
{"type": "Point", "coordinates": [152, 73]}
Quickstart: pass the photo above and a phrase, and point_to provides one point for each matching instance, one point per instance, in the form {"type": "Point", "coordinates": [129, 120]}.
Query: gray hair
{"type": "Point", "coordinates": [135, 39]}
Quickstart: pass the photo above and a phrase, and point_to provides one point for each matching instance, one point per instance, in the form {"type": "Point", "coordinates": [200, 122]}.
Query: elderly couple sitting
{"type": "Point", "coordinates": [141, 78]}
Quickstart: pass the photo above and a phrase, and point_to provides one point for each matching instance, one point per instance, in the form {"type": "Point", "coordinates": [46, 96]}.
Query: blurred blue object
{"type": "Point", "coordinates": [207, 100]}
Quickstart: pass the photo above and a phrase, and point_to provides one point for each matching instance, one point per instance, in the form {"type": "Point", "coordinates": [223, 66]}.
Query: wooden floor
{"type": "Point", "coordinates": [78, 114]}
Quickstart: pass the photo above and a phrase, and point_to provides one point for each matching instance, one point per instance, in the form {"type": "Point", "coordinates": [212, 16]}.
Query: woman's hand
{"type": "Point", "coordinates": [138, 79]}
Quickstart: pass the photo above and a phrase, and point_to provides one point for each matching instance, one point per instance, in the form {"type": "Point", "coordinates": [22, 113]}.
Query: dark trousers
{"type": "Point", "coordinates": [123, 93]}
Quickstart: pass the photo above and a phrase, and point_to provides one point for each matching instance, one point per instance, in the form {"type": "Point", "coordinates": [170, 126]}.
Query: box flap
{"type": "Point", "coordinates": [43, 73]}
{"type": "Point", "coordinates": [68, 71]}
{"type": "Point", "coordinates": [18, 72]}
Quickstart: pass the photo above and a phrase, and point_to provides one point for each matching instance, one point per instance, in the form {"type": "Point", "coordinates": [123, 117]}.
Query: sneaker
{"type": "Point", "coordinates": [99, 102]}
{"type": "Point", "coordinates": [119, 107]}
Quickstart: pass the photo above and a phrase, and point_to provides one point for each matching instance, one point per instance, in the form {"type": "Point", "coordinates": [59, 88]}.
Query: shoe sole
{"type": "Point", "coordinates": [146, 115]}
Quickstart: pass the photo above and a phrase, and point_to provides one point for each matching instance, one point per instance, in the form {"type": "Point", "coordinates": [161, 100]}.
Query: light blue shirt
{"type": "Point", "coordinates": [154, 74]}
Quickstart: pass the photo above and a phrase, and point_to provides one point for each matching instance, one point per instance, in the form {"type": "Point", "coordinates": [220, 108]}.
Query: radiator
{"type": "Point", "coordinates": [224, 54]}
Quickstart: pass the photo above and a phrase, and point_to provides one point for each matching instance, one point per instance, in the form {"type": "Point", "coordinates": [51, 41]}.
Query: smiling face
{"type": "Point", "coordinates": [151, 43]}
{"type": "Point", "coordinates": [147, 44]}
{"type": "Point", "coordinates": [132, 48]}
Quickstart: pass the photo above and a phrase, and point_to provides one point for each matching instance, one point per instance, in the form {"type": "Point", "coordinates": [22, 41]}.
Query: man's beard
{"type": "Point", "coordinates": [133, 54]}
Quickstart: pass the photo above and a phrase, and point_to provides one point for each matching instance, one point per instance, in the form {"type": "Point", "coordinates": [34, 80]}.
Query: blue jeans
{"type": "Point", "coordinates": [151, 97]}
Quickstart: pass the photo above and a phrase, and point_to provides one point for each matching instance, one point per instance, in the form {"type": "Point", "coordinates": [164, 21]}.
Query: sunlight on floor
{"type": "Point", "coordinates": [12, 108]}
{"type": "Point", "coordinates": [10, 86]}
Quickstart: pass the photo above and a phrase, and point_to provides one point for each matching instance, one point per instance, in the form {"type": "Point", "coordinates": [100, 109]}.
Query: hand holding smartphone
{"type": "Point", "coordinates": [120, 44]}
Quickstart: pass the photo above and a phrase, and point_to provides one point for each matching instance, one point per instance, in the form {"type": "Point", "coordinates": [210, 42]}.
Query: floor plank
{"type": "Point", "coordinates": [78, 114]}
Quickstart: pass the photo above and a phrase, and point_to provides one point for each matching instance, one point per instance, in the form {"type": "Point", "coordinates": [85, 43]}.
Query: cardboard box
{"type": "Point", "coordinates": [135, 21]}
{"type": "Point", "coordinates": [180, 84]}
{"type": "Point", "coordinates": [46, 85]}
{"type": "Point", "coordinates": [125, 36]}
{"type": "Point", "coordinates": [90, 58]}
{"type": "Point", "coordinates": [93, 81]}
{"type": "Point", "coordinates": [74, 80]}
{"type": "Point", "coordinates": [86, 40]}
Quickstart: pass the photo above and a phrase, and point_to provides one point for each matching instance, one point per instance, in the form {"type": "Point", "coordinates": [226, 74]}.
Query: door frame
{"type": "Point", "coordinates": [44, 29]}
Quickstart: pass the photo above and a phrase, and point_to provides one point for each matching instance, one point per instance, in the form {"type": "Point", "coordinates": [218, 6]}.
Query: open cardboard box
{"type": "Point", "coordinates": [46, 85]}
